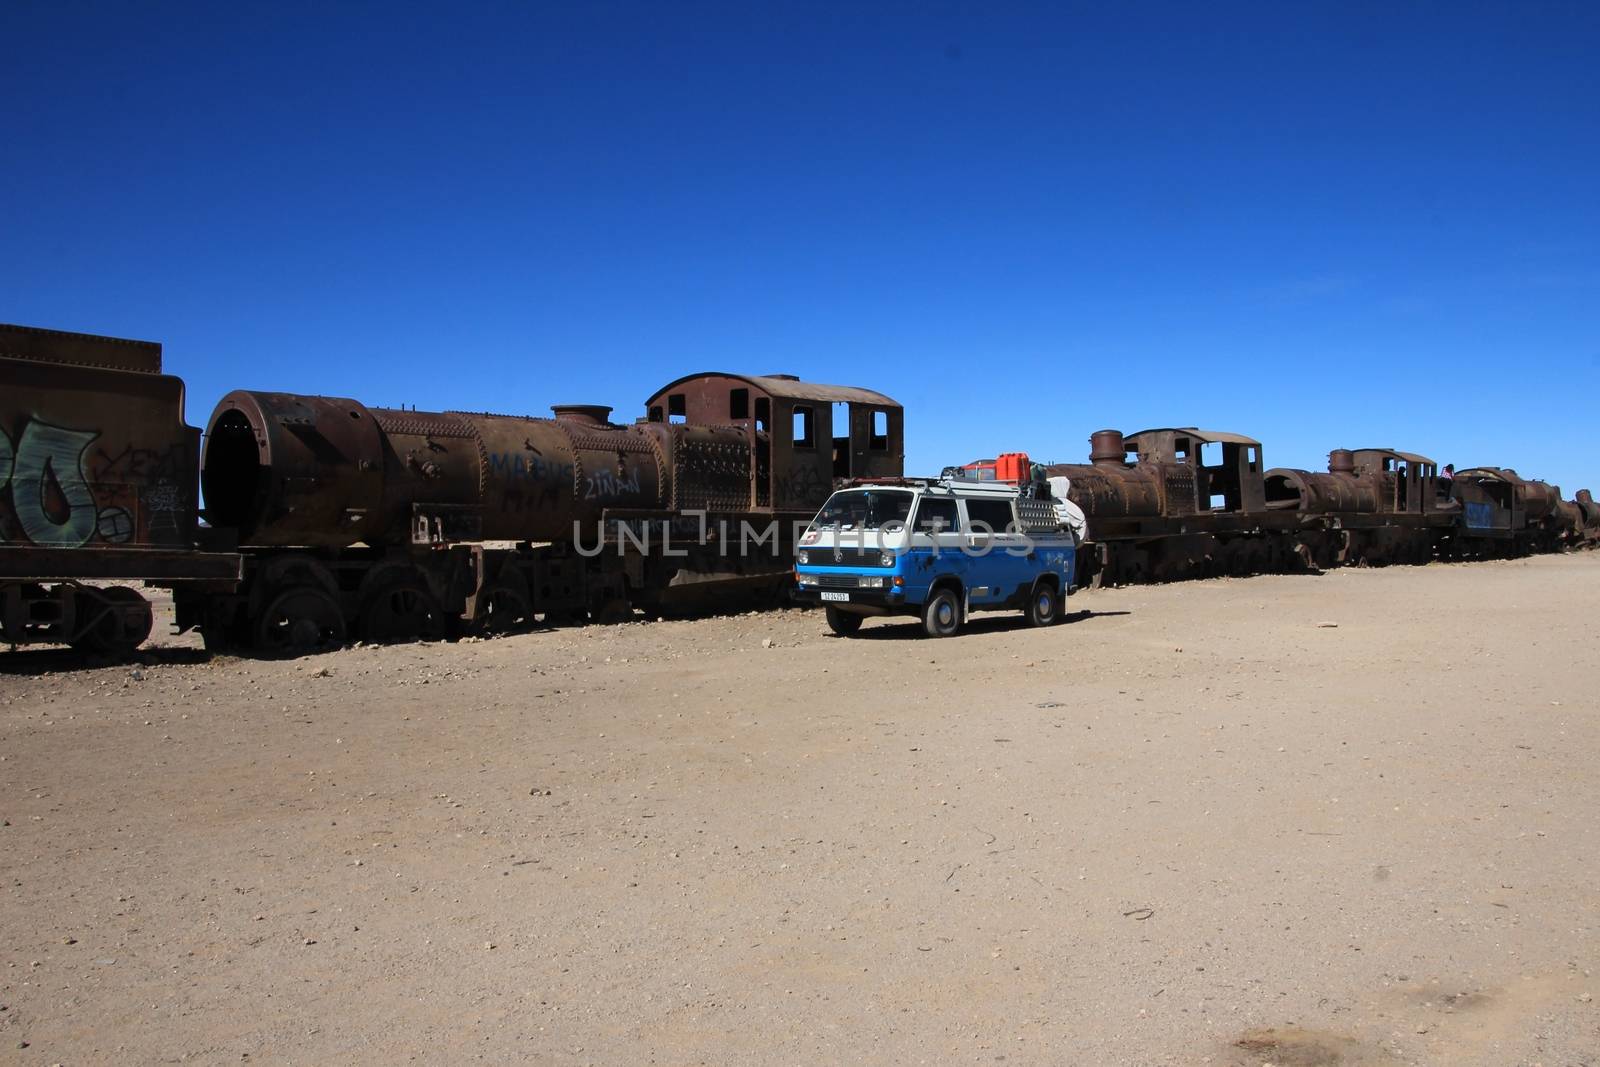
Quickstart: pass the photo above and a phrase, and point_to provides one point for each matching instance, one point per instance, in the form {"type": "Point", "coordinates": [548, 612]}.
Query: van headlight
{"type": "Point", "coordinates": [803, 557]}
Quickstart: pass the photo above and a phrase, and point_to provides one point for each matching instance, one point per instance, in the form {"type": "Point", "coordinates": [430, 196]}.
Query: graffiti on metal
{"type": "Point", "coordinates": [603, 485]}
{"type": "Point", "coordinates": [65, 494]}
{"type": "Point", "coordinates": [49, 485]}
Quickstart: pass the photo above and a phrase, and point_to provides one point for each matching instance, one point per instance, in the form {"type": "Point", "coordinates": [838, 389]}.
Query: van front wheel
{"type": "Point", "coordinates": [941, 615]}
{"type": "Point", "coordinates": [843, 623]}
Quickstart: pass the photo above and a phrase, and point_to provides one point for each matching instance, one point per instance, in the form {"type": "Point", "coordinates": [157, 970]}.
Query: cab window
{"type": "Point", "coordinates": [937, 514]}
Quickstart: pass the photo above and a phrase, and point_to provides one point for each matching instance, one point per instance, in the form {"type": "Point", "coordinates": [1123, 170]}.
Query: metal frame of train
{"type": "Point", "coordinates": [1194, 503]}
{"type": "Point", "coordinates": [328, 520]}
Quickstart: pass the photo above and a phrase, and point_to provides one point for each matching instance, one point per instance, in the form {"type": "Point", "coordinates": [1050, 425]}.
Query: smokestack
{"type": "Point", "coordinates": [1106, 448]}
{"type": "Point", "coordinates": [583, 414]}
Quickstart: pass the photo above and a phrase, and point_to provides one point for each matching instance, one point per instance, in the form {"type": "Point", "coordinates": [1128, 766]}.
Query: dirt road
{"type": "Point", "coordinates": [1194, 824]}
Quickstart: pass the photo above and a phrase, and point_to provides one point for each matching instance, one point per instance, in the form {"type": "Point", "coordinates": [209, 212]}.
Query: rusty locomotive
{"type": "Point", "coordinates": [327, 519]}
{"type": "Point", "coordinates": [1197, 503]}
{"type": "Point", "coordinates": [97, 484]}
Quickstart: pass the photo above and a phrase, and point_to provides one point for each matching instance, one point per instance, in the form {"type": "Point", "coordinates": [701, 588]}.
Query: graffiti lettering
{"type": "Point", "coordinates": [138, 465]}
{"type": "Point", "coordinates": [49, 490]}
{"type": "Point", "coordinates": [802, 486]}
{"type": "Point", "coordinates": [516, 465]}
{"type": "Point", "coordinates": [603, 484]}
{"type": "Point", "coordinates": [64, 492]}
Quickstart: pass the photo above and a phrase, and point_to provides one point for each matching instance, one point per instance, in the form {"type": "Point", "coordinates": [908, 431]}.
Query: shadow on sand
{"type": "Point", "coordinates": [62, 660]}
{"type": "Point", "coordinates": [997, 623]}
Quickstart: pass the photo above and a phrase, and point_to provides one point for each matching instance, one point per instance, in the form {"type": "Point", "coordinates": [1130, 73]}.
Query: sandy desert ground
{"type": "Point", "coordinates": [1195, 824]}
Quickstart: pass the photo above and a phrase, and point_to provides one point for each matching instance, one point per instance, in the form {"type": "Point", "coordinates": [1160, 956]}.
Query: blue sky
{"type": "Point", "coordinates": [1318, 224]}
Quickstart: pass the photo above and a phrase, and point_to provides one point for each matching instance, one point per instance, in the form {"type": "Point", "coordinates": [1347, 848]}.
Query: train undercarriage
{"type": "Point", "coordinates": [291, 602]}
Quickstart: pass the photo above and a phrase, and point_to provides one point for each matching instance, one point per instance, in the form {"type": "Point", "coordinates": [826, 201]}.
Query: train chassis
{"type": "Point", "coordinates": [1308, 549]}
{"type": "Point", "coordinates": [292, 602]}
{"type": "Point", "coordinates": [108, 621]}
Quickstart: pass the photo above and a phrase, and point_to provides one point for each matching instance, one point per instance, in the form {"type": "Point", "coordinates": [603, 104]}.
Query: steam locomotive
{"type": "Point", "coordinates": [326, 518]}
{"type": "Point", "coordinates": [1196, 503]}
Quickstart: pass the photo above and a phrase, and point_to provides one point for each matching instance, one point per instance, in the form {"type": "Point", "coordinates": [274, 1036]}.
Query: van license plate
{"type": "Point", "coordinates": [840, 597]}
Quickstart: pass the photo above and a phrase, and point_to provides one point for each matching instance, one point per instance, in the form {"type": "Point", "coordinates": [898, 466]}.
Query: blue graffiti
{"type": "Point", "coordinates": [511, 465]}
{"type": "Point", "coordinates": [608, 483]}
{"type": "Point", "coordinates": [1480, 516]}
{"type": "Point", "coordinates": [50, 458]}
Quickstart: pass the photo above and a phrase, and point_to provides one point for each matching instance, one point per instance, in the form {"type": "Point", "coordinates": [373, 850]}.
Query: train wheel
{"type": "Point", "coordinates": [121, 620]}
{"type": "Point", "coordinates": [504, 609]}
{"type": "Point", "coordinates": [300, 620]}
{"type": "Point", "coordinates": [401, 612]}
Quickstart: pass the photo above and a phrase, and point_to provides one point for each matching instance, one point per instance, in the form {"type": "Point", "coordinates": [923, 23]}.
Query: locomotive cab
{"type": "Point", "coordinates": [1227, 468]}
{"type": "Point", "coordinates": [1409, 482]}
{"type": "Point", "coordinates": [803, 437]}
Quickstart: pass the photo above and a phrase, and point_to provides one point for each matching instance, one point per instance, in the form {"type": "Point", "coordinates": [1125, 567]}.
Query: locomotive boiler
{"type": "Point", "coordinates": [330, 472]}
{"type": "Point", "coordinates": [397, 523]}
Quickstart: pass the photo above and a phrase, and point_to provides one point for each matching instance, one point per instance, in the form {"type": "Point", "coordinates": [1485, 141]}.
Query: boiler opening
{"type": "Point", "coordinates": [231, 474]}
{"type": "Point", "coordinates": [1282, 493]}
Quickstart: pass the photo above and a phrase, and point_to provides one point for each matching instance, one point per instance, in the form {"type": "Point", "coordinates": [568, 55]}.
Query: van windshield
{"type": "Point", "coordinates": [864, 509]}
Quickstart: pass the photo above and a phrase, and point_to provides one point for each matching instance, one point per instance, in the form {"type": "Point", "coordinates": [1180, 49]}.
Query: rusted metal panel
{"type": "Point", "coordinates": [79, 350]}
{"type": "Point", "coordinates": [1221, 437]}
{"type": "Point", "coordinates": [1108, 493]}
{"type": "Point", "coordinates": [1315, 493]}
{"type": "Point", "coordinates": [91, 457]}
{"type": "Point", "coordinates": [285, 469]}
{"type": "Point", "coordinates": [711, 469]}
{"type": "Point", "coordinates": [421, 423]}
{"type": "Point", "coordinates": [327, 471]}
{"type": "Point", "coordinates": [164, 566]}
{"type": "Point", "coordinates": [775, 386]}
{"type": "Point", "coordinates": [1408, 481]}
{"type": "Point", "coordinates": [1533, 500]}
{"type": "Point", "coordinates": [1588, 516]}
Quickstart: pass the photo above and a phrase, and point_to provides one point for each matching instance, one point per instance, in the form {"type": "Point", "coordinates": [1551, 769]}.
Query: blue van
{"type": "Point", "coordinates": [938, 550]}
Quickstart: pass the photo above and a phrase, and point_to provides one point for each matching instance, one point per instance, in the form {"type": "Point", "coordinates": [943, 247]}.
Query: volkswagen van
{"type": "Point", "coordinates": [937, 550]}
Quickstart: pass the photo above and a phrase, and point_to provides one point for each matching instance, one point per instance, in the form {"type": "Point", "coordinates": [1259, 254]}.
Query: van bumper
{"type": "Point", "coordinates": [861, 602]}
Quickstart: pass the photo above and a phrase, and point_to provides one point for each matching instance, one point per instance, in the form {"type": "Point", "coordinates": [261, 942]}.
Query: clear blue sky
{"type": "Point", "coordinates": [1319, 224]}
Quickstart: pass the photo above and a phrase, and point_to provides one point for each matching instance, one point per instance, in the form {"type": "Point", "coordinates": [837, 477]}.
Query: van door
{"type": "Point", "coordinates": [936, 541]}
{"type": "Point", "coordinates": [997, 564]}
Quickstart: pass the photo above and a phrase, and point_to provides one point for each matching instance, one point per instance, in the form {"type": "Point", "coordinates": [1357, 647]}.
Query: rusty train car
{"type": "Point", "coordinates": [326, 519]}
{"type": "Point", "coordinates": [97, 484]}
{"type": "Point", "coordinates": [1166, 504]}
{"type": "Point", "coordinates": [396, 524]}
